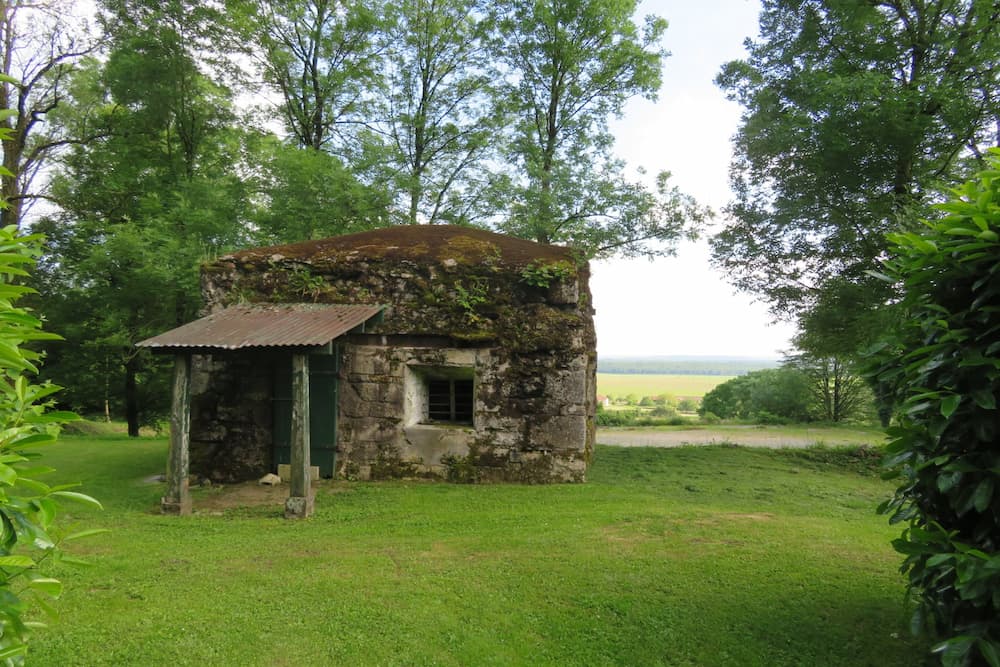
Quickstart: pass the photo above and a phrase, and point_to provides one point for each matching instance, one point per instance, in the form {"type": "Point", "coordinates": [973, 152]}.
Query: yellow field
{"type": "Point", "coordinates": [681, 386]}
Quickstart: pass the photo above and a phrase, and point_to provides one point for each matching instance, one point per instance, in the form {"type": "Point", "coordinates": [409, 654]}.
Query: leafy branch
{"type": "Point", "coordinates": [28, 507]}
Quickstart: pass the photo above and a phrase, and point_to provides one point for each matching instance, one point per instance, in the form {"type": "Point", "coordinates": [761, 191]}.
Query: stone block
{"type": "Point", "coordinates": [362, 364]}
{"type": "Point", "coordinates": [369, 391]}
{"type": "Point", "coordinates": [568, 469]}
{"type": "Point", "coordinates": [208, 432]}
{"type": "Point", "coordinates": [566, 387]}
{"type": "Point", "coordinates": [393, 393]}
{"type": "Point", "coordinates": [563, 292]}
{"type": "Point", "coordinates": [373, 430]}
{"type": "Point", "coordinates": [180, 507]}
{"type": "Point", "coordinates": [430, 443]}
{"type": "Point", "coordinates": [298, 507]}
{"type": "Point", "coordinates": [558, 432]}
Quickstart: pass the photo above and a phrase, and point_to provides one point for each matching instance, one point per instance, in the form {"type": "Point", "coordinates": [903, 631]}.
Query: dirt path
{"type": "Point", "coordinates": [748, 436]}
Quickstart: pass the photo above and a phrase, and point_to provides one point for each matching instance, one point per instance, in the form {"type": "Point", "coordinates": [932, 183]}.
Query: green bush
{"type": "Point", "coordinates": [617, 417]}
{"type": "Point", "coordinates": [663, 411]}
{"type": "Point", "coordinates": [776, 395]}
{"type": "Point", "coordinates": [687, 405]}
{"type": "Point", "coordinates": [770, 419]}
{"type": "Point", "coordinates": [942, 372]}
{"type": "Point", "coordinates": [656, 417]}
{"type": "Point", "coordinates": [708, 417]}
{"type": "Point", "coordinates": [28, 507]}
{"type": "Point", "coordinates": [541, 273]}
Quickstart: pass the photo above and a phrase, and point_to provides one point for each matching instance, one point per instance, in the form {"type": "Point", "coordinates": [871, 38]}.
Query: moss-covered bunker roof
{"type": "Point", "coordinates": [421, 243]}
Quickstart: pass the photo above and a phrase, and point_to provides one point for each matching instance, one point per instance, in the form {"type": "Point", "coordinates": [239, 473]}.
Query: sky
{"type": "Point", "coordinates": [681, 305]}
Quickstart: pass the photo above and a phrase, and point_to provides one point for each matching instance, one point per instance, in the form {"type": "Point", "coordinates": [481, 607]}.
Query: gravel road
{"type": "Point", "coordinates": [748, 437]}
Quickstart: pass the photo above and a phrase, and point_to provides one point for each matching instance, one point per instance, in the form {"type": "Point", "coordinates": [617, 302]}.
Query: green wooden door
{"type": "Point", "coordinates": [322, 411]}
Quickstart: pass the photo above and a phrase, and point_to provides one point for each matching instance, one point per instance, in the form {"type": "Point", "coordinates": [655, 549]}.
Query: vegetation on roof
{"type": "Point", "coordinates": [418, 242]}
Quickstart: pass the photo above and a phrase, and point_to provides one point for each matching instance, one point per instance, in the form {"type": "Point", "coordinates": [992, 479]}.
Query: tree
{"type": "Point", "coordinates": [855, 114]}
{"type": "Point", "coordinates": [687, 405]}
{"type": "Point", "coordinates": [142, 206]}
{"type": "Point", "coordinates": [726, 400]}
{"type": "Point", "coordinates": [572, 65]}
{"type": "Point", "coordinates": [438, 114]}
{"type": "Point", "coordinates": [321, 57]}
{"type": "Point", "coordinates": [308, 194]}
{"type": "Point", "coordinates": [764, 395]}
{"type": "Point", "coordinates": [838, 392]}
{"type": "Point", "coordinates": [943, 370]}
{"type": "Point", "coordinates": [40, 45]}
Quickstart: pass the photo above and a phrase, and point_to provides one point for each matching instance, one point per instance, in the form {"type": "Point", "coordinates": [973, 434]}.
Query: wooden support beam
{"type": "Point", "coordinates": [300, 493]}
{"type": "Point", "coordinates": [178, 498]}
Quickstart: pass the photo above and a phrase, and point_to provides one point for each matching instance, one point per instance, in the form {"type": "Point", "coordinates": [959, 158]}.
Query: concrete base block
{"type": "Point", "coordinates": [297, 507]}
{"type": "Point", "coordinates": [179, 507]}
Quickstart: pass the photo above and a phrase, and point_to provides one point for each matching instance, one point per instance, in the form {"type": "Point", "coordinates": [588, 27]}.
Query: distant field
{"type": "Point", "coordinates": [616, 384]}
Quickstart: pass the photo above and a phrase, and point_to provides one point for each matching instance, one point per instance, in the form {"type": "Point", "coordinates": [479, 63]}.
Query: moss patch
{"type": "Point", "coordinates": [417, 242]}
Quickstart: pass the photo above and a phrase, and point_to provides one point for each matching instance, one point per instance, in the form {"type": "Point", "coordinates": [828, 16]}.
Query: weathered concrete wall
{"type": "Point", "coordinates": [383, 431]}
{"type": "Point", "coordinates": [231, 416]}
{"type": "Point", "coordinates": [516, 314]}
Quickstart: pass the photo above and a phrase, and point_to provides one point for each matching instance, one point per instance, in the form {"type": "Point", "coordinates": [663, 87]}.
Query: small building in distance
{"type": "Point", "coordinates": [436, 351]}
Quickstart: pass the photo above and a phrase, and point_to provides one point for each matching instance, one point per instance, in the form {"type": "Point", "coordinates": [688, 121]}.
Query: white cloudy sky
{"type": "Point", "coordinates": [680, 305]}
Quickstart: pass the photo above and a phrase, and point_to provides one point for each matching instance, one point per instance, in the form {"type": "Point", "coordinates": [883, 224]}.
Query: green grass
{"type": "Point", "coordinates": [688, 556]}
{"type": "Point", "coordinates": [682, 386]}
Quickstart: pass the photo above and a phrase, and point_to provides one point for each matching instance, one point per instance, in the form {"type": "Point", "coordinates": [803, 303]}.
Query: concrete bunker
{"type": "Point", "coordinates": [436, 351]}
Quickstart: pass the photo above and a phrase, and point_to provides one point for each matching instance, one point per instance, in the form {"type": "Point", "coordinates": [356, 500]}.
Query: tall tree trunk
{"type": "Point", "coordinates": [838, 413]}
{"type": "Point", "coordinates": [107, 390]}
{"type": "Point", "coordinates": [131, 397]}
{"type": "Point", "coordinates": [10, 186]}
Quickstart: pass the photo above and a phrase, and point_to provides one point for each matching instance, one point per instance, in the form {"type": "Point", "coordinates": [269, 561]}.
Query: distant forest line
{"type": "Point", "coordinates": [684, 366]}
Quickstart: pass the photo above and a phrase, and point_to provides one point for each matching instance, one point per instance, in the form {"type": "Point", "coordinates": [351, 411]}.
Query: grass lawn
{"type": "Point", "coordinates": [689, 556]}
{"type": "Point", "coordinates": [681, 386]}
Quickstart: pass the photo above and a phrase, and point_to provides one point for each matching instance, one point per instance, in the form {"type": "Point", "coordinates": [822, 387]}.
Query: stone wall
{"type": "Point", "coordinates": [383, 434]}
{"type": "Point", "coordinates": [515, 313]}
{"type": "Point", "coordinates": [231, 416]}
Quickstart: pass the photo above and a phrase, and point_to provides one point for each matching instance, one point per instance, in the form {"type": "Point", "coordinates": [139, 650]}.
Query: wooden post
{"type": "Point", "coordinates": [300, 494]}
{"type": "Point", "coordinates": [178, 498]}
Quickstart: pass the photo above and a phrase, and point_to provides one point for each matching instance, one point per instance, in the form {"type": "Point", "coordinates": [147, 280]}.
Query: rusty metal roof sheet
{"type": "Point", "coordinates": [265, 325]}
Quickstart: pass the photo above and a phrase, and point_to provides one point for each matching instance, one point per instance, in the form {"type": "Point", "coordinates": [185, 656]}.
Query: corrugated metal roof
{"type": "Point", "coordinates": [265, 325]}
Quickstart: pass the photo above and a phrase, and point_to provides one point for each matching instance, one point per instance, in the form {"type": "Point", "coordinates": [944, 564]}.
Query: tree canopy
{"type": "Point", "coordinates": [140, 206]}
{"type": "Point", "coordinates": [202, 127]}
{"type": "Point", "coordinates": [41, 44]}
{"type": "Point", "coordinates": [805, 388]}
{"type": "Point", "coordinates": [437, 115]}
{"type": "Point", "coordinates": [856, 115]}
{"type": "Point", "coordinates": [574, 65]}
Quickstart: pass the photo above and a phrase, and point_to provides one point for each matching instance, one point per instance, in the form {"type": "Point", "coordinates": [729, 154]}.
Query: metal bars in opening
{"type": "Point", "coordinates": [449, 400]}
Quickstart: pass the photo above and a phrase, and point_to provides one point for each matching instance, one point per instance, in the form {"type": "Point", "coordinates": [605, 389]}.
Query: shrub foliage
{"type": "Point", "coordinates": [771, 396]}
{"type": "Point", "coordinates": [943, 371]}
{"type": "Point", "coordinates": [28, 507]}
